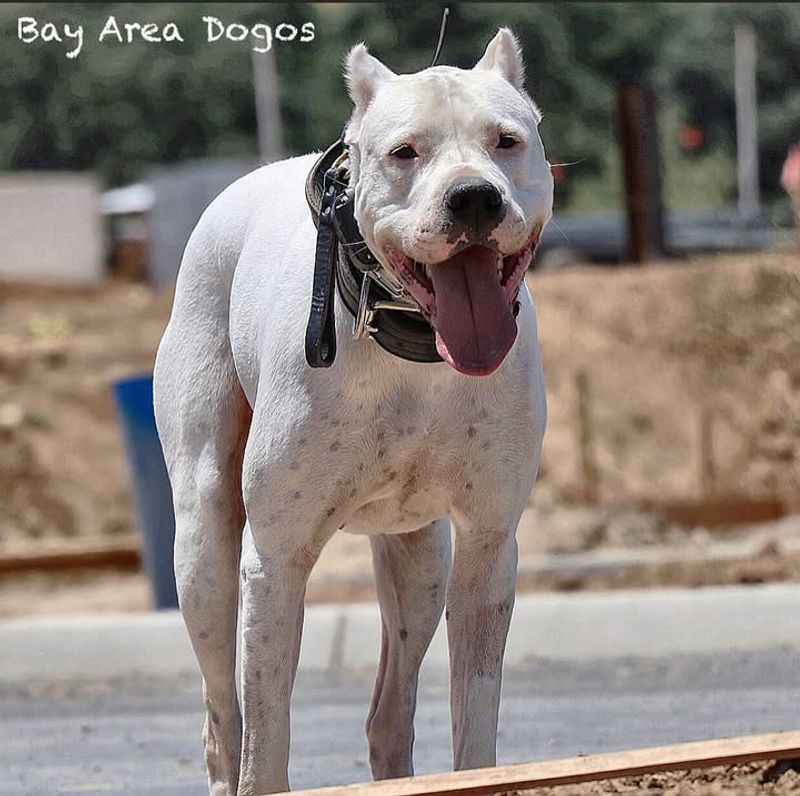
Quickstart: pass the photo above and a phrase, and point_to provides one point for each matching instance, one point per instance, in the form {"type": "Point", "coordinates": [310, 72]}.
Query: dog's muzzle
{"type": "Point", "coordinates": [462, 310]}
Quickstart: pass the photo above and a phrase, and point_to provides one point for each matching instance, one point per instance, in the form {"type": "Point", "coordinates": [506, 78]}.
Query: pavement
{"type": "Point", "coordinates": [108, 705]}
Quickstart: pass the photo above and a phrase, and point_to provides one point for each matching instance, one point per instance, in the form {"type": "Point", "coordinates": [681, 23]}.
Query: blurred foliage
{"type": "Point", "coordinates": [117, 107]}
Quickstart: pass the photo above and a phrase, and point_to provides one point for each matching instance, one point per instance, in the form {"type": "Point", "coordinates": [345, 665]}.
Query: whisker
{"type": "Point", "coordinates": [558, 227]}
{"type": "Point", "coordinates": [360, 244]}
{"type": "Point", "coordinates": [570, 163]}
{"type": "Point", "coordinates": [337, 182]}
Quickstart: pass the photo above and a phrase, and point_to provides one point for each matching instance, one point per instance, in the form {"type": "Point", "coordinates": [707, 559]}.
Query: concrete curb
{"type": "Point", "coordinates": [341, 637]}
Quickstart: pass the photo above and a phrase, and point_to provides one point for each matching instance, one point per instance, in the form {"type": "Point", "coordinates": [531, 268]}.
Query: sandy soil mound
{"type": "Point", "coordinates": [660, 346]}
{"type": "Point", "coordinates": [62, 466]}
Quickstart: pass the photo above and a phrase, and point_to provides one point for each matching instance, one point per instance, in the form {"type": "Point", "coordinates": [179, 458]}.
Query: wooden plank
{"type": "Point", "coordinates": [723, 511]}
{"type": "Point", "coordinates": [702, 754]}
{"type": "Point", "coordinates": [719, 511]}
{"type": "Point", "coordinates": [65, 554]}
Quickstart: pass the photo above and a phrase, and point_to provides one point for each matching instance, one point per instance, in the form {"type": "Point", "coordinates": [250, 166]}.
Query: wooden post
{"type": "Point", "coordinates": [268, 112]}
{"type": "Point", "coordinates": [642, 172]}
{"type": "Point", "coordinates": [589, 475]}
{"type": "Point", "coordinates": [746, 119]}
{"type": "Point", "coordinates": [707, 465]}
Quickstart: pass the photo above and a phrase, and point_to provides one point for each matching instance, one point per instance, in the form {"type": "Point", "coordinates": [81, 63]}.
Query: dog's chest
{"type": "Point", "coordinates": [407, 480]}
{"type": "Point", "coordinates": [414, 458]}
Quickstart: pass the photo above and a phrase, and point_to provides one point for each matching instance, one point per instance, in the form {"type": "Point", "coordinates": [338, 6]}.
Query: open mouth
{"type": "Point", "coordinates": [468, 299]}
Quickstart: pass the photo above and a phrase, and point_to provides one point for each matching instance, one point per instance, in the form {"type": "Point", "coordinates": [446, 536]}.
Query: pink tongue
{"type": "Point", "coordinates": [474, 325]}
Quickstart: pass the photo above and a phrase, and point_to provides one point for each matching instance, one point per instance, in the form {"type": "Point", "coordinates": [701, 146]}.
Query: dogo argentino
{"type": "Point", "coordinates": [268, 457]}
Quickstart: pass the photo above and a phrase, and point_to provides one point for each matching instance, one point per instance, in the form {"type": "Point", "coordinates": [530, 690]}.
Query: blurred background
{"type": "Point", "coordinates": [667, 285]}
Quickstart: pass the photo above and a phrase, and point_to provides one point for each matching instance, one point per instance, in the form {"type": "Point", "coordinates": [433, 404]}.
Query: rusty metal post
{"type": "Point", "coordinates": [641, 159]}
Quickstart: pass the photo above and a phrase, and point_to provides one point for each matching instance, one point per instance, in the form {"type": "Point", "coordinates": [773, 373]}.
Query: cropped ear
{"type": "Point", "coordinates": [363, 74]}
{"type": "Point", "coordinates": [504, 55]}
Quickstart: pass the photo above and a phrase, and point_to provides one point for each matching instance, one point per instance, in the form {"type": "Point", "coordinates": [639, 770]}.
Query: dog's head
{"type": "Point", "coordinates": [452, 191]}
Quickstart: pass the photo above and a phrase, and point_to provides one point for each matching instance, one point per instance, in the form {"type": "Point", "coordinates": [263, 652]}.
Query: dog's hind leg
{"type": "Point", "coordinates": [203, 419]}
{"type": "Point", "coordinates": [411, 572]}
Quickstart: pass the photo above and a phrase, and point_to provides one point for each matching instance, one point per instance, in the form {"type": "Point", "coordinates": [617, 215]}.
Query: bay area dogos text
{"type": "Point", "coordinates": [261, 35]}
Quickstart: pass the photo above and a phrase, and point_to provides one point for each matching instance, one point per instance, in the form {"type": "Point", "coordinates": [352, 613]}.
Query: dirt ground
{"type": "Point", "coordinates": [752, 779]}
{"type": "Point", "coordinates": [660, 347]}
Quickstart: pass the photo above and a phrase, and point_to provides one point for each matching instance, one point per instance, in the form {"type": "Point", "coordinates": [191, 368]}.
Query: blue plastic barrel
{"type": "Point", "coordinates": [151, 489]}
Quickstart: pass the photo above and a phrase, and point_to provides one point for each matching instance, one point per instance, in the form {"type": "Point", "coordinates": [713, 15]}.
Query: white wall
{"type": "Point", "coordinates": [50, 228]}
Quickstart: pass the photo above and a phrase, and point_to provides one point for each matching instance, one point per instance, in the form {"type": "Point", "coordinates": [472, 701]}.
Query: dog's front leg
{"type": "Point", "coordinates": [411, 578]}
{"type": "Point", "coordinates": [480, 598]}
{"type": "Point", "coordinates": [274, 580]}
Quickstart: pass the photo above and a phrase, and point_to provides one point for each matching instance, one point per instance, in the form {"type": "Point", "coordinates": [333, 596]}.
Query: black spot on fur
{"type": "Point", "coordinates": [403, 634]}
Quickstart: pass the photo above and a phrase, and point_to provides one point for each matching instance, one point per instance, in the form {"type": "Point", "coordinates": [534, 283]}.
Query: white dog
{"type": "Point", "coordinates": [268, 457]}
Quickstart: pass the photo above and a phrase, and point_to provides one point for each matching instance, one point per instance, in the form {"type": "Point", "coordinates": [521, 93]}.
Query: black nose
{"type": "Point", "coordinates": [476, 203]}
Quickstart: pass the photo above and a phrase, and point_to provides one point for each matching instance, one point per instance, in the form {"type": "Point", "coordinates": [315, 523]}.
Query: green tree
{"type": "Point", "coordinates": [117, 108]}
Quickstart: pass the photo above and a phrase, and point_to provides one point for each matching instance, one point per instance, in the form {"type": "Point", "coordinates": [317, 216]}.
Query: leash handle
{"type": "Point", "coordinates": [321, 328]}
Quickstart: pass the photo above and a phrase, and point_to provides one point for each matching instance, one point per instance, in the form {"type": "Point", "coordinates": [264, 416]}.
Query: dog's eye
{"type": "Point", "coordinates": [507, 142]}
{"type": "Point", "coordinates": [404, 152]}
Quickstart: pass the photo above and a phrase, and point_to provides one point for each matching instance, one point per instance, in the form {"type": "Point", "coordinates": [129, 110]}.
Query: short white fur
{"type": "Point", "coordinates": [269, 458]}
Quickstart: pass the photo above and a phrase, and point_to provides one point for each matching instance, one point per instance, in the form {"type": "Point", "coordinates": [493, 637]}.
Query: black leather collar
{"type": "Point", "coordinates": [405, 334]}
